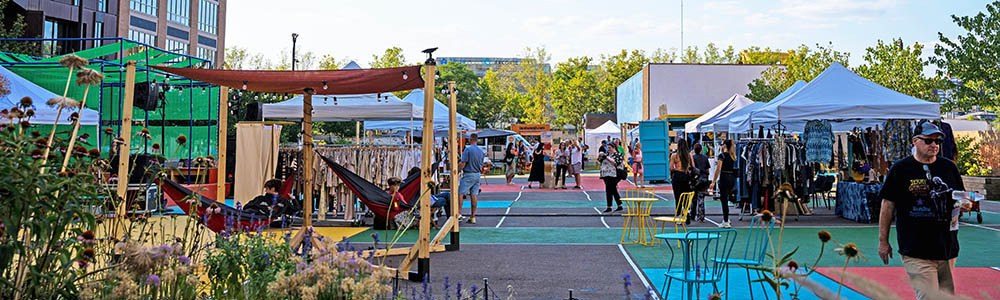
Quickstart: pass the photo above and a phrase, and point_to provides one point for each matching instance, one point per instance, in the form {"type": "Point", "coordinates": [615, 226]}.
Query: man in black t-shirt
{"type": "Point", "coordinates": [917, 192]}
{"type": "Point", "coordinates": [270, 203]}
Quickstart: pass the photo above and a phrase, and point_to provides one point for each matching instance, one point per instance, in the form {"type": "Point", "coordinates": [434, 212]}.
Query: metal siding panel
{"type": "Point", "coordinates": [655, 150]}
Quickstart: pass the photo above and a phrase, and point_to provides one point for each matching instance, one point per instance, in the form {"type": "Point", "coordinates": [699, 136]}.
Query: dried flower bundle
{"type": "Point", "coordinates": [73, 61]}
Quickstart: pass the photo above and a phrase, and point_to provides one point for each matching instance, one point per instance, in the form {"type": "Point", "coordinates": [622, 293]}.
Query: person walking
{"type": "Point", "coordinates": [471, 165]}
{"type": "Point", "coordinates": [917, 193]}
{"type": "Point", "coordinates": [725, 176]}
{"type": "Point", "coordinates": [611, 162]}
{"type": "Point", "coordinates": [701, 166]}
{"type": "Point", "coordinates": [537, 166]}
{"type": "Point", "coordinates": [637, 174]}
{"type": "Point", "coordinates": [510, 161]}
{"type": "Point", "coordinates": [562, 165]}
{"type": "Point", "coordinates": [680, 173]}
{"type": "Point", "coordinates": [576, 156]}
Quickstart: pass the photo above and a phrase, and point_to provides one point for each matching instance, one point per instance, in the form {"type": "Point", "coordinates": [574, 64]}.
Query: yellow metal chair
{"type": "Point", "coordinates": [639, 193]}
{"type": "Point", "coordinates": [680, 214]}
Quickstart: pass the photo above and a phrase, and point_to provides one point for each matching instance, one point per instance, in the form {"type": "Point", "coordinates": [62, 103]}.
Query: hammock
{"type": "Point", "coordinates": [238, 219]}
{"type": "Point", "coordinates": [376, 199]}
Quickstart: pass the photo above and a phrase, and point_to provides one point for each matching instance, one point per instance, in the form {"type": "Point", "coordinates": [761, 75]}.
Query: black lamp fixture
{"type": "Point", "coordinates": [430, 56]}
{"type": "Point", "coordinates": [295, 37]}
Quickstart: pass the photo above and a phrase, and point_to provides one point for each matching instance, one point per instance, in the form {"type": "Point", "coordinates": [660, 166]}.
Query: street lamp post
{"type": "Point", "coordinates": [295, 37]}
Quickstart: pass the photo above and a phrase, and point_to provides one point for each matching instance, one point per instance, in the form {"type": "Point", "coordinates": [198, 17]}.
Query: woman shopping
{"type": "Point", "coordinates": [562, 165]}
{"type": "Point", "coordinates": [680, 173]}
{"type": "Point", "coordinates": [537, 166]}
{"type": "Point", "coordinates": [725, 176]}
{"type": "Point", "coordinates": [611, 164]}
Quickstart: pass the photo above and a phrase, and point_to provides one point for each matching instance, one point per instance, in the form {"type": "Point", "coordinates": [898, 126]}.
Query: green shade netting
{"type": "Point", "coordinates": [189, 111]}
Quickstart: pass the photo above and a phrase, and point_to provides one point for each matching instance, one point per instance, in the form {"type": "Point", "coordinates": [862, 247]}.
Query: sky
{"type": "Point", "coordinates": [358, 29]}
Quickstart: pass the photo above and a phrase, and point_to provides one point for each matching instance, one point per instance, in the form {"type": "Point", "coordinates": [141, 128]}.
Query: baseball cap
{"type": "Point", "coordinates": [927, 129]}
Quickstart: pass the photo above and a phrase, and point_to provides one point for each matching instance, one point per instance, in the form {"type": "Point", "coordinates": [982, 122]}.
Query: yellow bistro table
{"type": "Point", "coordinates": [638, 227]}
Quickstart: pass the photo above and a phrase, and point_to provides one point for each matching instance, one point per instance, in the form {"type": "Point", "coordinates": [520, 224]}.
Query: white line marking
{"type": "Point", "coordinates": [995, 268]}
{"type": "Point", "coordinates": [588, 195]}
{"type": "Point", "coordinates": [638, 272]}
{"type": "Point", "coordinates": [508, 210]}
{"type": "Point", "coordinates": [710, 221]}
{"type": "Point", "coordinates": [980, 226]}
{"type": "Point", "coordinates": [602, 217]}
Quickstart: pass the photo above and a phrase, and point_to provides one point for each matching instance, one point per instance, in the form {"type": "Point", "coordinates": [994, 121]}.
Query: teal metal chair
{"type": "Point", "coordinates": [702, 253]}
{"type": "Point", "coordinates": [758, 241]}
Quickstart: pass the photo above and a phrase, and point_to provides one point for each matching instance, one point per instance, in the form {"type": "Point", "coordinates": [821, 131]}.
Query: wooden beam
{"type": "Point", "coordinates": [220, 184]}
{"type": "Point", "coordinates": [422, 248]}
{"type": "Point", "coordinates": [125, 134]}
{"type": "Point", "coordinates": [453, 153]}
{"type": "Point", "coordinates": [307, 154]}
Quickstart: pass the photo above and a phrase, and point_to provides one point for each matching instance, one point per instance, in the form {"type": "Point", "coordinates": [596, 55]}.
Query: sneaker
{"type": "Point", "coordinates": [472, 220]}
{"type": "Point", "coordinates": [725, 225]}
{"type": "Point", "coordinates": [608, 210]}
{"type": "Point", "coordinates": [619, 208]}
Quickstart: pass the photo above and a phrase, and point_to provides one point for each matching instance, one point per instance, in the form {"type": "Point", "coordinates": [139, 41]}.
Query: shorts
{"type": "Point", "coordinates": [637, 168]}
{"type": "Point", "coordinates": [576, 168]}
{"type": "Point", "coordinates": [469, 184]}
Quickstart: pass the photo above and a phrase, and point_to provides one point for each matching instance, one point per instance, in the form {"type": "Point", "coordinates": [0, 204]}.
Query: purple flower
{"type": "Point", "coordinates": [153, 280]}
{"type": "Point", "coordinates": [184, 260]}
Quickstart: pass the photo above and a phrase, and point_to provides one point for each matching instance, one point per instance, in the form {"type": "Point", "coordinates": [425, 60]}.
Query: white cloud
{"type": "Point", "coordinates": [725, 7]}
{"type": "Point", "coordinates": [824, 11]}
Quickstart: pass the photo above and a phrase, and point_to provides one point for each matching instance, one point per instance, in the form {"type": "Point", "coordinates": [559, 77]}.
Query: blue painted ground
{"type": "Point", "coordinates": [488, 204]}
{"type": "Point", "coordinates": [738, 287]}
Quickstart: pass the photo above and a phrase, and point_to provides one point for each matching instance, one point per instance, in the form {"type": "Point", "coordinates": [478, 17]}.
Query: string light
{"type": "Point", "coordinates": [244, 84]}
{"type": "Point", "coordinates": [324, 85]}
{"type": "Point", "coordinates": [405, 76]}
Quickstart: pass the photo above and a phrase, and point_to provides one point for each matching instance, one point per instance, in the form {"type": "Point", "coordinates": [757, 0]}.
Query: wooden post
{"type": "Point", "coordinates": [126, 134]}
{"type": "Point", "coordinates": [427, 147]}
{"type": "Point", "coordinates": [453, 153]}
{"type": "Point", "coordinates": [307, 154]}
{"type": "Point", "coordinates": [357, 132]}
{"type": "Point", "coordinates": [220, 185]}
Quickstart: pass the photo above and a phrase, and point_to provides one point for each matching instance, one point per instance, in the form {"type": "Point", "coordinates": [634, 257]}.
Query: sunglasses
{"type": "Point", "coordinates": [928, 141]}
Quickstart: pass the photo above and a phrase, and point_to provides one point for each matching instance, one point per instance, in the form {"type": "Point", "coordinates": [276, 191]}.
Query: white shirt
{"type": "Point", "coordinates": [576, 156]}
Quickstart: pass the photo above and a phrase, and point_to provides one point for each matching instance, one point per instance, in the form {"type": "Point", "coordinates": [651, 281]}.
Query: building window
{"type": "Point", "coordinates": [177, 46]}
{"type": "Point", "coordinates": [148, 7]}
{"type": "Point", "coordinates": [206, 53]}
{"type": "Point", "coordinates": [102, 5]}
{"type": "Point", "coordinates": [50, 30]}
{"type": "Point", "coordinates": [179, 11]}
{"type": "Point", "coordinates": [142, 37]}
{"type": "Point", "coordinates": [99, 32]}
{"type": "Point", "coordinates": [208, 16]}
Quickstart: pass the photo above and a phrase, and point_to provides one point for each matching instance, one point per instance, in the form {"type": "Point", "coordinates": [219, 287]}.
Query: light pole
{"type": "Point", "coordinates": [295, 37]}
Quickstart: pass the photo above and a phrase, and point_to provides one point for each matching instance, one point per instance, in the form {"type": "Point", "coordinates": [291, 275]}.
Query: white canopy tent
{"type": "Point", "coordinates": [722, 124]}
{"type": "Point", "coordinates": [848, 100]}
{"type": "Point", "coordinates": [345, 108]}
{"type": "Point", "coordinates": [441, 121]}
{"type": "Point", "coordinates": [724, 109]}
{"type": "Point", "coordinates": [740, 122]}
{"type": "Point", "coordinates": [44, 114]}
{"type": "Point", "coordinates": [594, 137]}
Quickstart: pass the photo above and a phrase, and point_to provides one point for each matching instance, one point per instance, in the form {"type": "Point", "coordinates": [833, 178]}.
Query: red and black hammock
{"type": "Point", "coordinates": [378, 201]}
{"type": "Point", "coordinates": [227, 216]}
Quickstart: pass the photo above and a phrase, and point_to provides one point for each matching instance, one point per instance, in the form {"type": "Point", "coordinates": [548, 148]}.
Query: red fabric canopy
{"type": "Point", "coordinates": [338, 82]}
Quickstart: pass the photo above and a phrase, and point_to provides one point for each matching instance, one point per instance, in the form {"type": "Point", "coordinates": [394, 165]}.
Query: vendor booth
{"type": "Point", "coordinates": [594, 137]}
{"type": "Point", "coordinates": [416, 97]}
{"type": "Point", "coordinates": [873, 122]}
{"type": "Point", "coordinates": [44, 114]}
{"type": "Point", "coordinates": [719, 112]}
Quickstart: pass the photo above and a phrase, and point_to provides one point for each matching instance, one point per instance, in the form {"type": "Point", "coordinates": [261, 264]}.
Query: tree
{"type": "Point", "coordinates": [970, 59]}
{"type": "Point", "coordinates": [754, 55]}
{"type": "Point", "coordinates": [14, 28]}
{"type": "Point", "coordinates": [715, 56]}
{"type": "Point", "coordinates": [236, 57]}
{"type": "Point", "coordinates": [392, 57]}
{"type": "Point", "coordinates": [329, 62]}
{"type": "Point", "coordinates": [663, 56]}
{"type": "Point", "coordinates": [575, 91]}
{"type": "Point", "coordinates": [470, 99]}
{"type": "Point", "coordinates": [801, 64]}
{"type": "Point", "coordinates": [690, 55]}
{"type": "Point", "coordinates": [613, 71]}
{"type": "Point", "coordinates": [522, 88]}
{"type": "Point", "coordinates": [898, 67]}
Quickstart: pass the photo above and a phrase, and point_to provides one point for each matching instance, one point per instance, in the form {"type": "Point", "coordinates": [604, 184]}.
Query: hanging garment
{"type": "Point", "coordinates": [949, 149]}
{"type": "Point", "coordinates": [818, 138]}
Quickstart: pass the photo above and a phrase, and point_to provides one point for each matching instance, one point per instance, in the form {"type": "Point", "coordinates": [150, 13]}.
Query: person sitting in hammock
{"type": "Point", "coordinates": [270, 203]}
